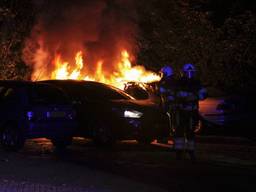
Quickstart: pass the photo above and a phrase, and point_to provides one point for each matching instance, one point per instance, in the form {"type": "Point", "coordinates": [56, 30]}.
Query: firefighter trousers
{"type": "Point", "coordinates": [184, 136]}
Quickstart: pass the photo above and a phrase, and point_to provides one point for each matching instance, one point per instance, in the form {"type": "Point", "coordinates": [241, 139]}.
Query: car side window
{"type": "Point", "coordinates": [75, 93]}
{"type": "Point", "coordinates": [46, 94]}
{"type": "Point", "coordinates": [100, 92]}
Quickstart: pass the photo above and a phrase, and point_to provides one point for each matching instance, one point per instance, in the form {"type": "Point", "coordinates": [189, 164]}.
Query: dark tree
{"type": "Point", "coordinates": [217, 36]}
{"type": "Point", "coordinates": [16, 20]}
{"type": "Point", "coordinates": [173, 33]}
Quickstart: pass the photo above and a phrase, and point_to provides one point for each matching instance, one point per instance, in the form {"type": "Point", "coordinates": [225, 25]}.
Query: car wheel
{"type": "Point", "coordinates": [102, 134]}
{"type": "Point", "coordinates": [61, 143]}
{"type": "Point", "coordinates": [11, 138]}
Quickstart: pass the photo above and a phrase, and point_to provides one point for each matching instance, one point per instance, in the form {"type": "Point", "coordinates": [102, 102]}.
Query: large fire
{"type": "Point", "coordinates": [124, 71]}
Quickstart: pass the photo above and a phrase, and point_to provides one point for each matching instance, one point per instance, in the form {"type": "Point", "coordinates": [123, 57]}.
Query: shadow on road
{"type": "Point", "coordinates": [148, 164]}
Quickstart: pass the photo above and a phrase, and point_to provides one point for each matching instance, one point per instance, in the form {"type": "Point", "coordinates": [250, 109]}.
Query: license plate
{"type": "Point", "coordinates": [56, 114]}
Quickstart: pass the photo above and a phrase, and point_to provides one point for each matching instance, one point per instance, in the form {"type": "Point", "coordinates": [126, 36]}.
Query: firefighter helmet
{"type": "Point", "coordinates": [189, 70]}
{"type": "Point", "coordinates": [166, 71]}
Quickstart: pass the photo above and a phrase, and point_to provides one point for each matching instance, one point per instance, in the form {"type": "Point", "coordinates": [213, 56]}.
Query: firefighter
{"type": "Point", "coordinates": [189, 92]}
{"type": "Point", "coordinates": [167, 95]}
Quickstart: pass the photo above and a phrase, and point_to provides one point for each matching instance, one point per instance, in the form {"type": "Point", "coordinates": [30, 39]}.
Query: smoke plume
{"type": "Point", "coordinates": [99, 28]}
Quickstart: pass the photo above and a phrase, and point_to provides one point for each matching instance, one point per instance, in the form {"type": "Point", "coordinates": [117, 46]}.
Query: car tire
{"type": "Point", "coordinates": [12, 138]}
{"type": "Point", "coordinates": [61, 143]}
{"type": "Point", "coordinates": [102, 135]}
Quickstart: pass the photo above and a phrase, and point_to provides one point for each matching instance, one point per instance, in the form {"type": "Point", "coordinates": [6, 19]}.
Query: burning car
{"type": "Point", "coordinates": [141, 90]}
{"type": "Point", "coordinates": [33, 110]}
{"type": "Point", "coordinates": [137, 90]}
{"type": "Point", "coordinates": [107, 114]}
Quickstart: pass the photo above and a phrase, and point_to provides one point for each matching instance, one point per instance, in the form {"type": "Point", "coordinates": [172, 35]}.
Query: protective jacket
{"type": "Point", "coordinates": [189, 92]}
{"type": "Point", "coordinates": [167, 89]}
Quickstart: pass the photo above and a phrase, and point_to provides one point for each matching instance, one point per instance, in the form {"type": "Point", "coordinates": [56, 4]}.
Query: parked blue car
{"type": "Point", "coordinates": [34, 110]}
{"type": "Point", "coordinates": [231, 116]}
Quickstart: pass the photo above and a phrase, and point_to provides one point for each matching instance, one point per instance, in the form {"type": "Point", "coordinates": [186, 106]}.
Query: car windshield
{"type": "Point", "coordinates": [47, 94]}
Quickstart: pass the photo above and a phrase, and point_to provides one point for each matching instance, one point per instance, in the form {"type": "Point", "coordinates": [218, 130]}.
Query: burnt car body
{"type": "Point", "coordinates": [142, 91]}
{"type": "Point", "coordinates": [106, 113]}
{"type": "Point", "coordinates": [32, 110]}
{"type": "Point", "coordinates": [136, 89]}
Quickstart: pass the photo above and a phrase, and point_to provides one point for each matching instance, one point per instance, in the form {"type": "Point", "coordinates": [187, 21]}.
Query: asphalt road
{"type": "Point", "coordinates": [223, 164]}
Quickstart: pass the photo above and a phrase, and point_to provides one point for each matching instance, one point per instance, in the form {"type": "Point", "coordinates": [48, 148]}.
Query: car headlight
{"type": "Point", "coordinates": [132, 114]}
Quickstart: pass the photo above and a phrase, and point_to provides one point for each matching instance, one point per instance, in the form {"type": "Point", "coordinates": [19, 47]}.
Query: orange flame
{"type": "Point", "coordinates": [123, 73]}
